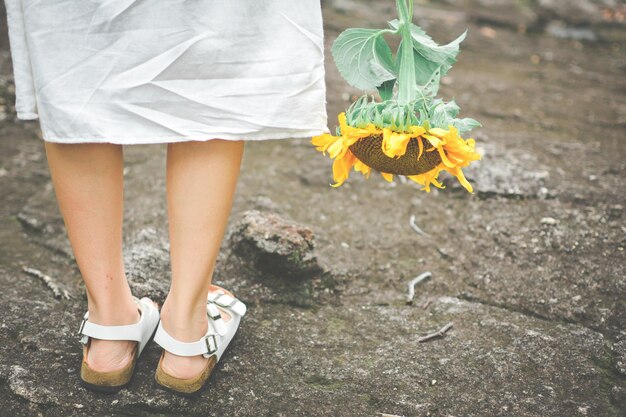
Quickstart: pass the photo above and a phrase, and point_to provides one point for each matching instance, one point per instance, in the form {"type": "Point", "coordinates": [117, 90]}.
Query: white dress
{"type": "Point", "coordinates": [155, 71]}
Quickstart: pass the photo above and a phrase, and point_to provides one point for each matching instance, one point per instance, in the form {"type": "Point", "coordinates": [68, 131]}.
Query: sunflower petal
{"type": "Point", "coordinates": [335, 148]}
{"type": "Point", "coordinates": [387, 176]}
{"type": "Point", "coordinates": [444, 158]}
{"type": "Point", "coordinates": [420, 144]}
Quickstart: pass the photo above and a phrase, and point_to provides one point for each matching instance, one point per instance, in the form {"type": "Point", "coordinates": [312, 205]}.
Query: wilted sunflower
{"type": "Point", "coordinates": [452, 152]}
{"type": "Point", "coordinates": [410, 132]}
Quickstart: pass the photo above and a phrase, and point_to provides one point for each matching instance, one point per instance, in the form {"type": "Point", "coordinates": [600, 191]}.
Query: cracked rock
{"type": "Point", "coordinates": [279, 255]}
{"type": "Point", "coordinates": [275, 246]}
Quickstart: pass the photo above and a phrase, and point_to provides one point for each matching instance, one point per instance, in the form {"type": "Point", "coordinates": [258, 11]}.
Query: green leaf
{"type": "Point", "coordinates": [442, 114]}
{"type": "Point", "coordinates": [428, 54]}
{"type": "Point", "coordinates": [363, 58]}
{"type": "Point", "coordinates": [431, 87]}
{"type": "Point", "coordinates": [385, 90]}
{"type": "Point", "coordinates": [451, 108]}
{"type": "Point", "coordinates": [465, 125]}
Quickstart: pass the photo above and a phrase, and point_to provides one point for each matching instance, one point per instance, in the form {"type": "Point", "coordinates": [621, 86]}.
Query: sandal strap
{"type": "Point", "coordinates": [206, 346]}
{"type": "Point", "coordinates": [216, 316]}
{"type": "Point", "coordinates": [224, 300]}
{"type": "Point", "coordinates": [120, 332]}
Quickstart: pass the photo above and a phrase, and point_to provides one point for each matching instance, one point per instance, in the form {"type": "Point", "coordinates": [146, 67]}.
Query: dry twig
{"type": "Point", "coordinates": [416, 227]}
{"type": "Point", "coordinates": [439, 333]}
{"type": "Point", "coordinates": [427, 303]}
{"type": "Point", "coordinates": [417, 280]}
{"type": "Point", "coordinates": [50, 283]}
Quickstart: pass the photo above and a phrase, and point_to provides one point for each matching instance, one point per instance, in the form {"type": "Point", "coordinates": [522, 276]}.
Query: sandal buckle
{"type": "Point", "coordinates": [211, 305]}
{"type": "Point", "coordinates": [82, 325]}
{"type": "Point", "coordinates": [215, 317]}
{"type": "Point", "coordinates": [208, 345]}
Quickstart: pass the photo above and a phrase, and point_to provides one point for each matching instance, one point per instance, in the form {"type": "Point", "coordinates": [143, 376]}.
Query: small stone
{"type": "Point", "coordinates": [550, 221]}
{"type": "Point", "coordinates": [488, 32]}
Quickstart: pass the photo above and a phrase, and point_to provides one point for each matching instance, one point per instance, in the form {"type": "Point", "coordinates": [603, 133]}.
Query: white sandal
{"type": "Point", "coordinates": [213, 345]}
{"type": "Point", "coordinates": [141, 332]}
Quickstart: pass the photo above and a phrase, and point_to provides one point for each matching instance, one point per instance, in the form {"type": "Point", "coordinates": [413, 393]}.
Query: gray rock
{"type": "Point", "coordinates": [504, 172]}
{"type": "Point", "coordinates": [279, 255]}
{"type": "Point", "coordinates": [576, 12]}
{"type": "Point", "coordinates": [506, 13]}
{"type": "Point", "coordinates": [147, 264]}
{"type": "Point", "coordinates": [559, 30]}
{"type": "Point", "coordinates": [275, 246]}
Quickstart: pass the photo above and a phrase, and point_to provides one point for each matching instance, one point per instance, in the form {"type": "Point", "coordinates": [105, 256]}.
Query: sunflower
{"type": "Point", "coordinates": [453, 151]}
{"type": "Point", "coordinates": [409, 132]}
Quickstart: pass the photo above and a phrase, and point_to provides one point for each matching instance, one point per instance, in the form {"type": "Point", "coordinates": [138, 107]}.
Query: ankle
{"type": "Point", "coordinates": [117, 314]}
{"type": "Point", "coordinates": [184, 322]}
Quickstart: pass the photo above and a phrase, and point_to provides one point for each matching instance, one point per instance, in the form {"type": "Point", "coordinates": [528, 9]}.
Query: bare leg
{"type": "Point", "coordinates": [89, 185]}
{"type": "Point", "coordinates": [201, 181]}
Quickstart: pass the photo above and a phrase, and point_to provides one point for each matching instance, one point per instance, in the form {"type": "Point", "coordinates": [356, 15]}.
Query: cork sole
{"type": "Point", "coordinates": [107, 382]}
{"type": "Point", "coordinates": [188, 387]}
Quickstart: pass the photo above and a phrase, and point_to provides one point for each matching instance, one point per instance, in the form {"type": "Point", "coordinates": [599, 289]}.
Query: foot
{"type": "Point", "coordinates": [112, 355]}
{"type": "Point", "coordinates": [182, 329]}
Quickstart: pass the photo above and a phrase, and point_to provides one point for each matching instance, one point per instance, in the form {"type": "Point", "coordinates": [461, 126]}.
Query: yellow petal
{"type": "Point", "coordinates": [444, 158]}
{"type": "Point", "coordinates": [342, 121]}
{"type": "Point", "coordinates": [339, 173]}
{"type": "Point", "coordinates": [388, 177]}
{"type": "Point", "coordinates": [373, 129]}
{"type": "Point", "coordinates": [458, 173]}
{"type": "Point", "coordinates": [421, 147]}
{"type": "Point", "coordinates": [360, 166]}
{"type": "Point", "coordinates": [322, 142]}
{"type": "Point", "coordinates": [341, 168]}
{"type": "Point", "coordinates": [335, 148]}
{"type": "Point", "coordinates": [396, 144]}
{"type": "Point", "coordinates": [438, 132]}
{"type": "Point", "coordinates": [435, 141]}
{"type": "Point", "coordinates": [417, 130]}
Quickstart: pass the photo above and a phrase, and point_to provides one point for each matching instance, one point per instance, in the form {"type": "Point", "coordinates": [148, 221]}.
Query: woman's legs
{"type": "Point", "coordinates": [201, 181]}
{"type": "Point", "coordinates": [89, 186]}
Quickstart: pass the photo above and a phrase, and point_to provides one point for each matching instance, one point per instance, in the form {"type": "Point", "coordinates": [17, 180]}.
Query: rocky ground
{"type": "Point", "coordinates": [529, 269]}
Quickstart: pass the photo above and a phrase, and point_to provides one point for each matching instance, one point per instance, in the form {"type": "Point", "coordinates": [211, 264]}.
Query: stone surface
{"type": "Point", "coordinates": [620, 354]}
{"type": "Point", "coordinates": [345, 369]}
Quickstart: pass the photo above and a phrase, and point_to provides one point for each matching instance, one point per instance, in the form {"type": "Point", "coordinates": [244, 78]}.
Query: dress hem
{"type": "Point", "coordinates": [175, 139]}
{"type": "Point", "coordinates": [26, 115]}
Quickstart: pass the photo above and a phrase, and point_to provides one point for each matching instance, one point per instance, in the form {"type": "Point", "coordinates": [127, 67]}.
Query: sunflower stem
{"type": "Point", "coordinates": [406, 74]}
